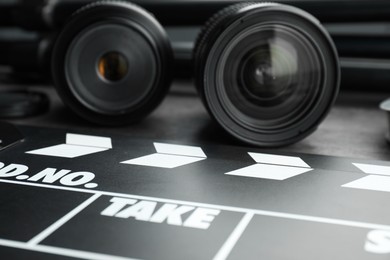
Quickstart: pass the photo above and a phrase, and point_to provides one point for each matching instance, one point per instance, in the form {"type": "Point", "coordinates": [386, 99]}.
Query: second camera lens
{"type": "Point", "coordinates": [268, 73]}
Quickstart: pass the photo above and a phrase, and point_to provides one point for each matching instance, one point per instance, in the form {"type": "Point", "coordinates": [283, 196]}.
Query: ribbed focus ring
{"type": "Point", "coordinates": [209, 31]}
{"type": "Point", "coordinates": [213, 22]}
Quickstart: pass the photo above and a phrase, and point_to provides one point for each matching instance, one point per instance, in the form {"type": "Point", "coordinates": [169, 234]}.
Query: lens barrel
{"type": "Point", "coordinates": [111, 63]}
{"type": "Point", "coordinates": [268, 73]}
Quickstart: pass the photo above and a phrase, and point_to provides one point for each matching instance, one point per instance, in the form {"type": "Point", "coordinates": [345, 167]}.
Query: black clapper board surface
{"type": "Point", "coordinates": [66, 195]}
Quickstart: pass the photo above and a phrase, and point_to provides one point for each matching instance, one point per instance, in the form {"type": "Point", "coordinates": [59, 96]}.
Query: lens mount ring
{"type": "Point", "coordinates": [139, 83]}
{"type": "Point", "coordinates": [262, 120]}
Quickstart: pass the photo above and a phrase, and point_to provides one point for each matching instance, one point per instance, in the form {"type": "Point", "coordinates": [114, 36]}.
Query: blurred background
{"type": "Point", "coordinates": [355, 127]}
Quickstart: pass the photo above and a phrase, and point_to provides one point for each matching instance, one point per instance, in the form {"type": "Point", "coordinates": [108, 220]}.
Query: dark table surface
{"type": "Point", "coordinates": [355, 127]}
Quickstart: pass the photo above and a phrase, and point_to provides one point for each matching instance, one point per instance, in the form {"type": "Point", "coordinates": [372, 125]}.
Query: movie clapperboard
{"type": "Point", "coordinates": [66, 195]}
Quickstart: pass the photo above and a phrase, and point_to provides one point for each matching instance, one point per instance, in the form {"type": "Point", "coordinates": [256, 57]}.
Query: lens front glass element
{"type": "Point", "coordinates": [109, 76]}
{"type": "Point", "coordinates": [112, 66]}
{"type": "Point", "coordinates": [270, 75]}
{"type": "Point", "coordinates": [268, 71]}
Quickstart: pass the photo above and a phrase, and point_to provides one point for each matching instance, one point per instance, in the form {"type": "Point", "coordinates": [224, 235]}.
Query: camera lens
{"type": "Point", "coordinates": [112, 66]}
{"type": "Point", "coordinates": [112, 63]}
{"type": "Point", "coordinates": [268, 73]}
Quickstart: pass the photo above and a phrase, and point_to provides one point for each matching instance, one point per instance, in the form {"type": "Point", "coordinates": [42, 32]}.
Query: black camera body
{"type": "Point", "coordinates": [268, 73]}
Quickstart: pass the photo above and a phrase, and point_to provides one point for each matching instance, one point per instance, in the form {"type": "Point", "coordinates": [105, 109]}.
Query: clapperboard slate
{"type": "Point", "coordinates": [66, 195]}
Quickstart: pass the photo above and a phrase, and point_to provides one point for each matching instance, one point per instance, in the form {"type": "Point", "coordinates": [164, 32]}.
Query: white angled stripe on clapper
{"type": "Point", "coordinates": [76, 145]}
{"type": "Point", "coordinates": [377, 180]}
{"type": "Point", "coordinates": [170, 156]}
{"type": "Point", "coordinates": [274, 167]}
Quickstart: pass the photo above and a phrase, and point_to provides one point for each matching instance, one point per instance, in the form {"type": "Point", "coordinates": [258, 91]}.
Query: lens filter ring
{"type": "Point", "coordinates": [268, 73]}
{"type": "Point", "coordinates": [111, 63]}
